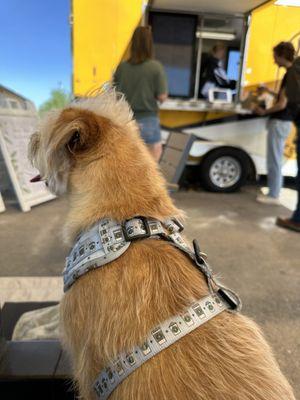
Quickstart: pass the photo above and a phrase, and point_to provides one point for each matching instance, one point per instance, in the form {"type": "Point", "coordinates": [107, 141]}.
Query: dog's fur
{"type": "Point", "coordinates": [109, 173]}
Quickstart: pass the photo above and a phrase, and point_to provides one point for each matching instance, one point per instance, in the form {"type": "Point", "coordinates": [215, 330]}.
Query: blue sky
{"type": "Point", "coordinates": [35, 47]}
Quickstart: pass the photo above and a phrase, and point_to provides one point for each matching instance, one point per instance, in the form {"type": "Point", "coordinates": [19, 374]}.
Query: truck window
{"type": "Point", "coordinates": [233, 64]}
{"type": "Point", "coordinates": [220, 40]}
{"type": "Point", "coordinates": [199, 52]}
{"type": "Point", "coordinates": [174, 37]}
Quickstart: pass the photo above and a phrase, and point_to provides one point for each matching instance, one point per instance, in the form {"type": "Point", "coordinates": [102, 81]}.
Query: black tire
{"type": "Point", "coordinates": [233, 162]}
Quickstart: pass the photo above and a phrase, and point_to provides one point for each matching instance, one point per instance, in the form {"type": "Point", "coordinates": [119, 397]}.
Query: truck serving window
{"type": "Point", "coordinates": [174, 38]}
{"type": "Point", "coordinates": [220, 40]}
{"type": "Point", "coordinates": [199, 52]}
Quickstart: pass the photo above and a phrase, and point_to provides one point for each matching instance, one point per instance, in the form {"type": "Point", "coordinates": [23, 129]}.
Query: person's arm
{"type": "Point", "coordinates": [278, 106]}
{"type": "Point", "coordinates": [222, 79]}
{"type": "Point", "coordinates": [161, 86]}
{"type": "Point", "coordinates": [272, 92]}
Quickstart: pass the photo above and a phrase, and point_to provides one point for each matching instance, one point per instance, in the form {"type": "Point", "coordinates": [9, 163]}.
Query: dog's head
{"type": "Point", "coordinates": [92, 150]}
{"type": "Point", "coordinates": [87, 131]}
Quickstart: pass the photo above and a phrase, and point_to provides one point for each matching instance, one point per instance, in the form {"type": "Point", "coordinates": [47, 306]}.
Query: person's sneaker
{"type": "Point", "coordinates": [262, 198]}
{"type": "Point", "coordinates": [288, 224]}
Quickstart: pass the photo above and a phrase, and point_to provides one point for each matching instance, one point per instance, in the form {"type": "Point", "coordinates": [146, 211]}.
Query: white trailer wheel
{"type": "Point", "coordinates": [225, 172]}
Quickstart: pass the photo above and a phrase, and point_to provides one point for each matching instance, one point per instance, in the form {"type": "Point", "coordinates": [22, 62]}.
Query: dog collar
{"type": "Point", "coordinates": [107, 240]}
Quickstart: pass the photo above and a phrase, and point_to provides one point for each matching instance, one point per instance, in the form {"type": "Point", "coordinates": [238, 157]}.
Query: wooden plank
{"type": "Point", "coordinates": [175, 154]}
{"type": "Point", "coordinates": [178, 140]}
{"type": "Point", "coordinates": [168, 171]}
{"type": "Point", "coordinates": [172, 156]}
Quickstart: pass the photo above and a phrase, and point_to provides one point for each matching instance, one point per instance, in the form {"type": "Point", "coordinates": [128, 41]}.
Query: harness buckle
{"type": "Point", "coordinates": [178, 223]}
{"type": "Point", "coordinates": [231, 298]}
{"type": "Point", "coordinates": [129, 237]}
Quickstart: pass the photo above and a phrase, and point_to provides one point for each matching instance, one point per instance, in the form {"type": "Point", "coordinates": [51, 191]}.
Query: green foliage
{"type": "Point", "coordinates": [58, 99]}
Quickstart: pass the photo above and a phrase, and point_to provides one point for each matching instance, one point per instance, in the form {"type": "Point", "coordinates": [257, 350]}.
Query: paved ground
{"type": "Point", "coordinates": [252, 255]}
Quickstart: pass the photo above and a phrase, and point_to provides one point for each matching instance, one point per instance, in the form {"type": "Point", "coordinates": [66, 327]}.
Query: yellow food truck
{"type": "Point", "coordinates": [228, 143]}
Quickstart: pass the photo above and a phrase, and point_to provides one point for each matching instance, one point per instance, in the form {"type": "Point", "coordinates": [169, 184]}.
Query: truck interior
{"type": "Point", "coordinates": [191, 45]}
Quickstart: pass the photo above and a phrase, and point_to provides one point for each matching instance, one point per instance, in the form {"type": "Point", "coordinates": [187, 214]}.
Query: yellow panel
{"type": "Point", "coordinates": [179, 119]}
{"type": "Point", "coordinates": [101, 32]}
{"type": "Point", "coordinates": [270, 25]}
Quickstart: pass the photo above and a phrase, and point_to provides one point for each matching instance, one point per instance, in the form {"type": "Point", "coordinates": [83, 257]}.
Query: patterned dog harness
{"type": "Point", "coordinates": [106, 241]}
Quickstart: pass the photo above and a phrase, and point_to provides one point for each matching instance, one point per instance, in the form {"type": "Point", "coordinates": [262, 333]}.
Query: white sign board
{"type": "Point", "coordinates": [2, 206]}
{"type": "Point", "coordinates": [15, 132]}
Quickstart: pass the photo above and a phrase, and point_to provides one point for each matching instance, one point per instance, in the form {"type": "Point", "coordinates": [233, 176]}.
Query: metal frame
{"type": "Point", "coordinates": [198, 64]}
{"type": "Point", "coordinates": [245, 32]}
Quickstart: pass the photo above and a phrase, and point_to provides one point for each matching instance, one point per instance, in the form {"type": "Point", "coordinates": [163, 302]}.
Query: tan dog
{"type": "Point", "coordinates": [92, 151]}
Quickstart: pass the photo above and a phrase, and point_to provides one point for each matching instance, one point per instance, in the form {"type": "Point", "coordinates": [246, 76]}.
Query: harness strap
{"type": "Point", "coordinates": [107, 240]}
{"type": "Point", "coordinates": [161, 337]}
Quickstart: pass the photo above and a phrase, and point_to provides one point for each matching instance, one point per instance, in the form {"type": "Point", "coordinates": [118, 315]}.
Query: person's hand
{"type": "Point", "coordinates": [262, 89]}
{"type": "Point", "coordinates": [260, 111]}
{"type": "Point", "coordinates": [162, 97]}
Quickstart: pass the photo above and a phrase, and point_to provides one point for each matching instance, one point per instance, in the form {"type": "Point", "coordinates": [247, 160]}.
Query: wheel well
{"type": "Point", "coordinates": [252, 169]}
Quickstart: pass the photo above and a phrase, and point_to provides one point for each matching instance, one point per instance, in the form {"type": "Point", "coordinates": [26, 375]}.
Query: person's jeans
{"type": "Point", "coordinates": [296, 214]}
{"type": "Point", "coordinates": [149, 129]}
{"type": "Point", "coordinates": [278, 131]}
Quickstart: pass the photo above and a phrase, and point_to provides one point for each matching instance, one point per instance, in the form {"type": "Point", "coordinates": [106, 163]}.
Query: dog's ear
{"type": "Point", "coordinates": [76, 130]}
{"type": "Point", "coordinates": [75, 143]}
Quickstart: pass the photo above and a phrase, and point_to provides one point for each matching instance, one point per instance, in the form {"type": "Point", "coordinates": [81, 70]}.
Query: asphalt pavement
{"type": "Point", "coordinates": [248, 252]}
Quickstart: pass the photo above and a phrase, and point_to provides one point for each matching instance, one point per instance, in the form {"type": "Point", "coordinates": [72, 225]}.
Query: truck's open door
{"type": "Point", "coordinates": [229, 7]}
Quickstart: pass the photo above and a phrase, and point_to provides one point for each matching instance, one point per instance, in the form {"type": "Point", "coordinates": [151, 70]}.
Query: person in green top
{"type": "Point", "coordinates": [143, 82]}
